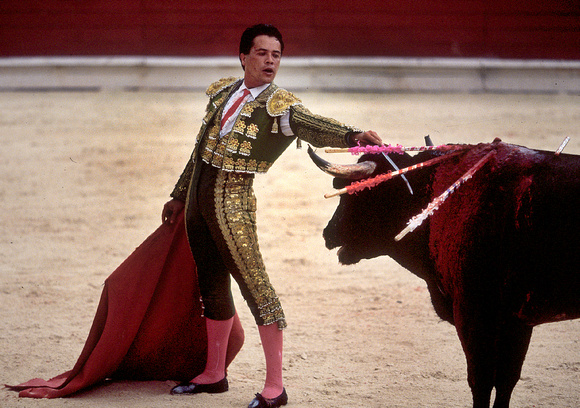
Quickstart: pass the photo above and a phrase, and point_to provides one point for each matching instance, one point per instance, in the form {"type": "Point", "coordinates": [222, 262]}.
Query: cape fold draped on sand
{"type": "Point", "coordinates": [148, 325]}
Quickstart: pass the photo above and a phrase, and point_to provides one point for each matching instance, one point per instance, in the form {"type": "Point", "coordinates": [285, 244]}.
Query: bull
{"type": "Point", "coordinates": [499, 256]}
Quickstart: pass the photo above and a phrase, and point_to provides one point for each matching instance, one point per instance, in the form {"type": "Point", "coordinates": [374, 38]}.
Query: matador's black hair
{"type": "Point", "coordinates": [259, 29]}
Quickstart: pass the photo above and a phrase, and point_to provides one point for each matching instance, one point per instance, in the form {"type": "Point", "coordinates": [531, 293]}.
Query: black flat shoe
{"type": "Point", "coordinates": [261, 402]}
{"type": "Point", "coordinates": [193, 388]}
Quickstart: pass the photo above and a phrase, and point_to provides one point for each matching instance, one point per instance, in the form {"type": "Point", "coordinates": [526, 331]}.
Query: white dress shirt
{"type": "Point", "coordinates": [254, 92]}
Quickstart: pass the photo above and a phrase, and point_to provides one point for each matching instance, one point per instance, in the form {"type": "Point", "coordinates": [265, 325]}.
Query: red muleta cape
{"type": "Point", "coordinates": [148, 325]}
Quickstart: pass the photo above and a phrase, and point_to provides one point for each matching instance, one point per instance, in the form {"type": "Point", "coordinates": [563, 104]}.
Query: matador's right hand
{"type": "Point", "coordinates": [171, 210]}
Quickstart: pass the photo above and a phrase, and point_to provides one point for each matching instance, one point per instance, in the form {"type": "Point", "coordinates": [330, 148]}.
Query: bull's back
{"type": "Point", "coordinates": [511, 232]}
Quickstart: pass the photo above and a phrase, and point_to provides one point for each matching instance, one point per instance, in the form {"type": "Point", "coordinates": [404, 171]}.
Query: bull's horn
{"type": "Point", "coordinates": [346, 171]}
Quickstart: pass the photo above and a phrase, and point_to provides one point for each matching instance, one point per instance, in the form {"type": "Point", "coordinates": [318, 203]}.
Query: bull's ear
{"type": "Point", "coordinates": [355, 171]}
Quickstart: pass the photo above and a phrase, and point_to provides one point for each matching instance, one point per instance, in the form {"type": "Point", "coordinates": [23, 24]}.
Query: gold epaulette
{"type": "Point", "coordinates": [280, 101]}
{"type": "Point", "coordinates": [220, 85]}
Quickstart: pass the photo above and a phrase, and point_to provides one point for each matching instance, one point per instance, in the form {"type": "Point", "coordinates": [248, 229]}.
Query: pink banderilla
{"type": "Point", "coordinates": [373, 181]}
{"type": "Point", "coordinates": [374, 149]}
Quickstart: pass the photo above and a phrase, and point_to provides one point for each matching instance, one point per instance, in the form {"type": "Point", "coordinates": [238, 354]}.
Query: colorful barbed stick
{"type": "Point", "coordinates": [373, 181]}
{"type": "Point", "coordinates": [392, 163]}
{"type": "Point", "coordinates": [394, 149]}
{"type": "Point", "coordinates": [417, 220]}
{"type": "Point", "coordinates": [562, 145]}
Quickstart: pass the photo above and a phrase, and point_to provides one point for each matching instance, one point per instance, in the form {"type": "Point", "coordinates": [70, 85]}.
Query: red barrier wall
{"type": "Point", "coordinates": [526, 29]}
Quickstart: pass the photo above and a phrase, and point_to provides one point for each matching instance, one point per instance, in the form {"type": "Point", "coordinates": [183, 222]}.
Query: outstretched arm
{"type": "Point", "coordinates": [321, 131]}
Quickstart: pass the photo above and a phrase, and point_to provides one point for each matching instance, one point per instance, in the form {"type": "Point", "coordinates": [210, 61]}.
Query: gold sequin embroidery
{"type": "Point", "coordinates": [252, 130]}
{"type": "Point", "coordinates": [252, 165]}
{"type": "Point", "coordinates": [280, 101]}
{"type": "Point", "coordinates": [236, 216]}
{"type": "Point", "coordinates": [220, 85]}
{"type": "Point", "coordinates": [245, 148]}
{"type": "Point", "coordinates": [233, 144]}
{"type": "Point", "coordinates": [248, 109]}
{"type": "Point", "coordinates": [239, 126]}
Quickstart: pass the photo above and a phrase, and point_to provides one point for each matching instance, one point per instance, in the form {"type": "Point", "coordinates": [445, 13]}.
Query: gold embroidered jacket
{"type": "Point", "coordinates": [256, 140]}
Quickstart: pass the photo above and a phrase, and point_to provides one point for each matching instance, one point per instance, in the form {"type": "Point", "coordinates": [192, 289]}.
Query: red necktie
{"type": "Point", "coordinates": [234, 107]}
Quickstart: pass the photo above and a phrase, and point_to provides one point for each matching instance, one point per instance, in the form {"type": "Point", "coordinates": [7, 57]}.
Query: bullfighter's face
{"type": "Point", "coordinates": [262, 63]}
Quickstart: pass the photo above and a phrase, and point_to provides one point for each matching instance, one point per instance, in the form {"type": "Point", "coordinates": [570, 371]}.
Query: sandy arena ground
{"type": "Point", "coordinates": [83, 178]}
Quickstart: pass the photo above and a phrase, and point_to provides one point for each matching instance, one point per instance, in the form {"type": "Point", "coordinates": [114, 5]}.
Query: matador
{"type": "Point", "coordinates": [248, 124]}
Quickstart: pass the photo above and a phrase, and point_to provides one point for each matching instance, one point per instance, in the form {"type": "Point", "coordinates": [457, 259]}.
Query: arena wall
{"type": "Point", "coordinates": [505, 29]}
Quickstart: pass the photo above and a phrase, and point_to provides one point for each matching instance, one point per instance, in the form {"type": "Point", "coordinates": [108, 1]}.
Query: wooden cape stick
{"type": "Point", "coordinates": [434, 205]}
{"type": "Point", "coordinates": [373, 181]}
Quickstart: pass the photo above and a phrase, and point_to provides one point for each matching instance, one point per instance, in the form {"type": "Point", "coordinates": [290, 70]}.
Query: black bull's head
{"type": "Point", "coordinates": [364, 225]}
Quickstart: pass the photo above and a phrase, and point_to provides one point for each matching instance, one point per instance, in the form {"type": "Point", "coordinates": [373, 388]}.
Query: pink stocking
{"type": "Point", "coordinates": [236, 340]}
{"type": "Point", "coordinates": [272, 343]}
{"type": "Point", "coordinates": [218, 333]}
